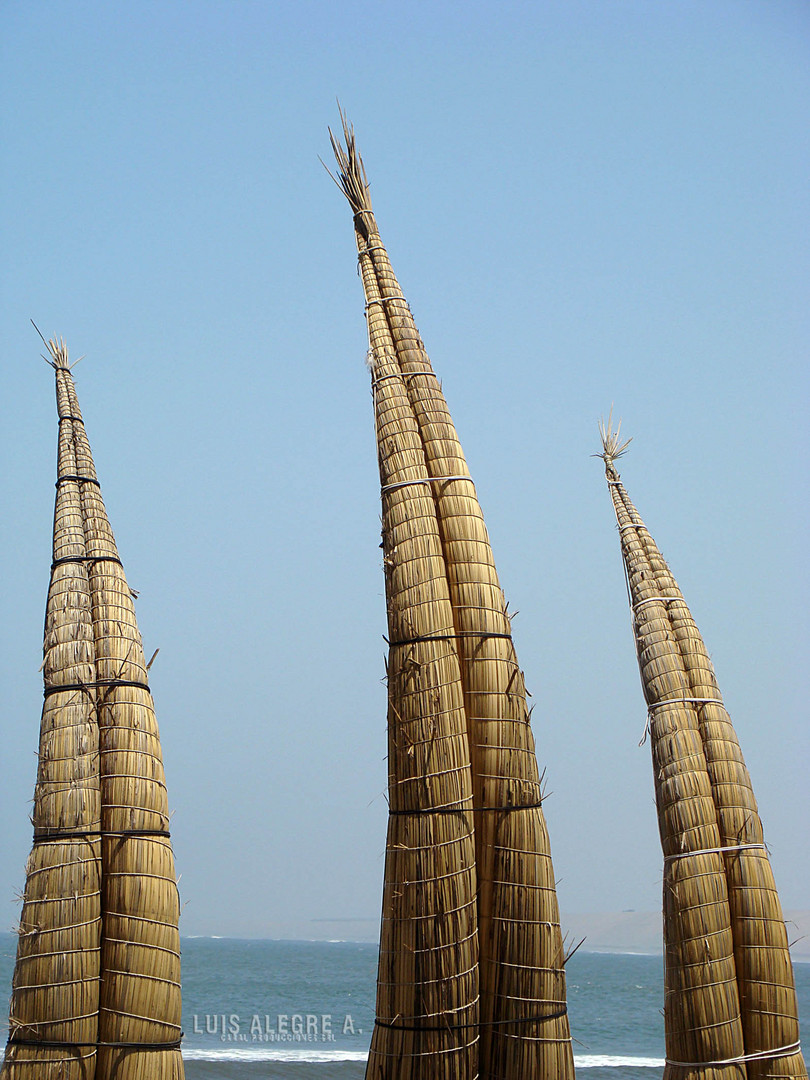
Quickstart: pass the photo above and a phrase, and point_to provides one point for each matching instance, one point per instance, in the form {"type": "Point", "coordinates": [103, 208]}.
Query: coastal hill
{"type": "Point", "coordinates": [640, 931]}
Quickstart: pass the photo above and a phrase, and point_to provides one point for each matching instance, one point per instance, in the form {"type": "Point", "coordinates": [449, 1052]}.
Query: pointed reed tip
{"type": "Point", "coordinates": [351, 174]}
{"type": "Point", "coordinates": [49, 345]}
{"type": "Point", "coordinates": [57, 352]}
{"type": "Point", "coordinates": [612, 446]}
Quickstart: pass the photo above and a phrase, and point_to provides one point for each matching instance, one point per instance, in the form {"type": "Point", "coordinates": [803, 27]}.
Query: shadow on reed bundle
{"type": "Point", "coordinates": [730, 999]}
{"type": "Point", "coordinates": [96, 990]}
{"type": "Point", "coordinates": [523, 1023]}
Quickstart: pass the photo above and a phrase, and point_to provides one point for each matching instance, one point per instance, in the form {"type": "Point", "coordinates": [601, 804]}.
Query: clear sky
{"type": "Point", "coordinates": [587, 202]}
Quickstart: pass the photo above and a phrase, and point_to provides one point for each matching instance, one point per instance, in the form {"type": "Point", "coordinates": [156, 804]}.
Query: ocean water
{"type": "Point", "coordinates": [304, 1010]}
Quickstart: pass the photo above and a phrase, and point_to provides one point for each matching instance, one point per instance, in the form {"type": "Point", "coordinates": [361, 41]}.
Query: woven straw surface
{"type": "Point", "coordinates": [720, 1004]}
{"type": "Point", "coordinates": [521, 947]}
{"type": "Point", "coordinates": [524, 1025]}
{"type": "Point", "coordinates": [55, 987]}
{"type": "Point", "coordinates": [427, 991]}
{"type": "Point", "coordinates": [118, 966]}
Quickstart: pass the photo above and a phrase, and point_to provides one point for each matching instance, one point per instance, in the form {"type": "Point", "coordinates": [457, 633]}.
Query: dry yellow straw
{"type": "Point", "coordinates": [427, 999]}
{"type": "Point", "coordinates": [524, 1024]}
{"type": "Point", "coordinates": [695, 749]}
{"type": "Point", "coordinates": [132, 999]}
{"type": "Point", "coordinates": [427, 990]}
{"type": "Point", "coordinates": [55, 987]}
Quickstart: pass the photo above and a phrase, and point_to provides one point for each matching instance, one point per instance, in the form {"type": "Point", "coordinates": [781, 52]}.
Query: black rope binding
{"type": "Point", "coordinates": [509, 809]}
{"type": "Point", "coordinates": [448, 637]}
{"type": "Point", "coordinates": [482, 1023]}
{"type": "Point", "coordinates": [85, 559]}
{"type": "Point", "coordinates": [56, 1045]}
{"type": "Point", "coordinates": [465, 809]}
{"type": "Point", "coordinates": [85, 834]}
{"type": "Point", "coordinates": [81, 479]}
{"type": "Point", "coordinates": [110, 684]}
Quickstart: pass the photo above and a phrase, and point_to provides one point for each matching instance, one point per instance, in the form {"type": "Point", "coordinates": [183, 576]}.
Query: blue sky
{"type": "Point", "coordinates": [587, 203]}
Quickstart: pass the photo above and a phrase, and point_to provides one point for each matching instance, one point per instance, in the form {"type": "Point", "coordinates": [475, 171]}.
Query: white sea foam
{"type": "Point", "coordinates": [586, 1061]}
{"type": "Point", "coordinates": [611, 1061]}
{"type": "Point", "coordinates": [274, 1054]}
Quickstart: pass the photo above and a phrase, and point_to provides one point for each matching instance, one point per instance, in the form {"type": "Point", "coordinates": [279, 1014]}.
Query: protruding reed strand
{"type": "Point", "coordinates": [612, 446]}
{"type": "Point", "coordinates": [351, 177]}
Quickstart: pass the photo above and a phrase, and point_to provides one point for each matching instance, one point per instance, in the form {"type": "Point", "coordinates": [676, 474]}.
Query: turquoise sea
{"type": "Point", "coordinates": [304, 1010]}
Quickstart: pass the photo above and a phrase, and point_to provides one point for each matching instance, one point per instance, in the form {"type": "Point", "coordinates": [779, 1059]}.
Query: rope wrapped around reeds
{"type": "Point", "coordinates": [427, 990]}
{"type": "Point", "coordinates": [136, 988]}
{"type": "Point", "coordinates": [697, 757]}
{"type": "Point", "coordinates": [427, 996]}
{"type": "Point", "coordinates": [56, 976]}
{"type": "Point", "coordinates": [524, 1023]}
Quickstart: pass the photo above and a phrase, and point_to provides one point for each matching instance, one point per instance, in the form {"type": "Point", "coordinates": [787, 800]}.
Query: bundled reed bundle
{"type": "Point", "coordinates": [731, 1003]}
{"type": "Point", "coordinates": [54, 1004]}
{"type": "Point", "coordinates": [427, 989]}
{"type": "Point", "coordinates": [523, 1025]}
{"type": "Point", "coordinates": [97, 982]}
